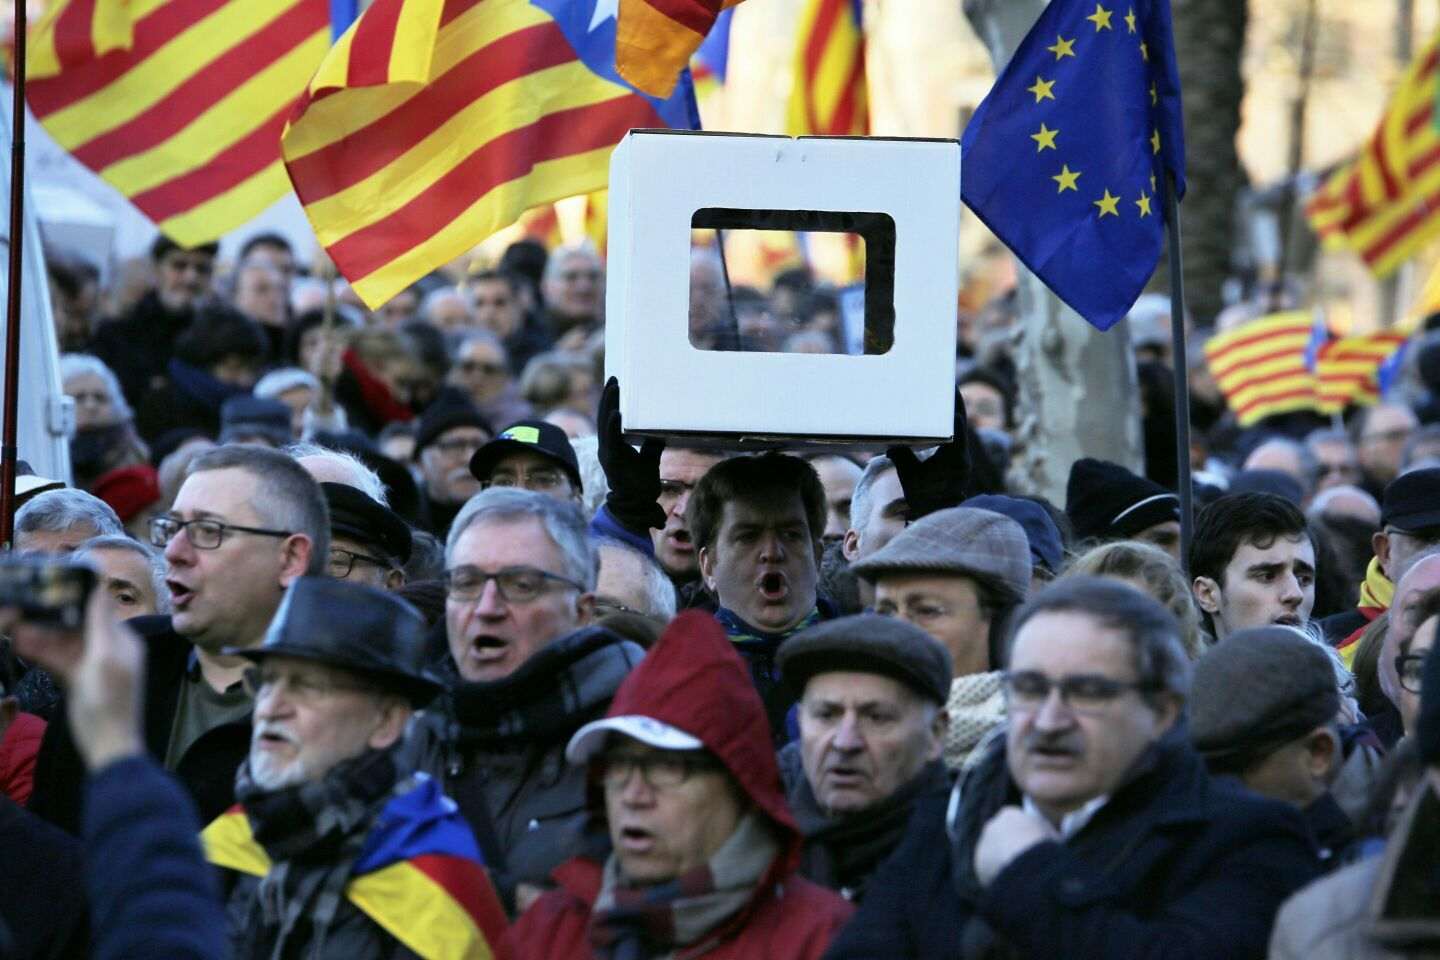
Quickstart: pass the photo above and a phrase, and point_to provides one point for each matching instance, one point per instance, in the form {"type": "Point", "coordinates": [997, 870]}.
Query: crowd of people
{"type": "Point", "coordinates": [399, 648]}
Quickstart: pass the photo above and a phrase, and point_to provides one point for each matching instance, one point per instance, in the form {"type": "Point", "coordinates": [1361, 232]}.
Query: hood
{"type": "Point", "coordinates": [693, 680]}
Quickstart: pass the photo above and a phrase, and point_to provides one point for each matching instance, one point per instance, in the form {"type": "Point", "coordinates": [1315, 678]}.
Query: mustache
{"type": "Point", "coordinates": [277, 730]}
{"type": "Point", "coordinates": [1068, 742]}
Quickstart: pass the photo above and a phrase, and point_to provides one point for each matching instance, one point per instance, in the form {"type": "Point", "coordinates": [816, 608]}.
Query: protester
{"type": "Point", "coordinates": [1335, 459]}
{"type": "Point", "coordinates": [482, 371]}
{"type": "Point", "coordinates": [247, 419]}
{"type": "Point", "coordinates": [446, 438]}
{"type": "Point", "coordinates": [1092, 823]}
{"type": "Point", "coordinates": [1378, 906]}
{"type": "Point", "coordinates": [958, 574]}
{"type": "Point", "coordinates": [131, 572]}
{"type": "Point", "coordinates": [247, 522]}
{"type": "Point", "coordinates": [298, 389]}
{"type": "Point", "coordinates": [531, 454]}
{"type": "Point", "coordinates": [219, 356]}
{"type": "Point", "coordinates": [327, 807]}
{"type": "Point", "coordinates": [1152, 571]}
{"type": "Point", "coordinates": [526, 673]}
{"type": "Point", "coordinates": [58, 521]}
{"type": "Point", "coordinates": [704, 847]}
{"type": "Point", "coordinates": [838, 475]}
{"type": "Point", "coordinates": [498, 308]}
{"type": "Point", "coordinates": [369, 543]}
{"type": "Point", "coordinates": [1041, 522]}
{"type": "Point", "coordinates": [573, 286]}
{"type": "Point", "coordinates": [1253, 564]}
{"type": "Point", "coordinates": [1265, 709]}
{"type": "Point", "coordinates": [1404, 619]}
{"type": "Point", "coordinates": [877, 514]}
{"type": "Point", "coordinates": [1105, 501]}
{"type": "Point", "coordinates": [1410, 660]}
{"type": "Point", "coordinates": [631, 582]}
{"type": "Point", "coordinates": [872, 693]}
{"type": "Point", "coordinates": [134, 494]}
{"type": "Point", "coordinates": [1380, 434]}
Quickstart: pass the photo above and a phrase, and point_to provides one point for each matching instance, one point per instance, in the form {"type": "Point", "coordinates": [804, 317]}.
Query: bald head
{"type": "Point", "coordinates": [1346, 501]}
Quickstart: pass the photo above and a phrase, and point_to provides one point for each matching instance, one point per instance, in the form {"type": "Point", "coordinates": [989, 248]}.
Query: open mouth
{"type": "Point", "coordinates": [773, 587]}
{"type": "Point", "coordinates": [271, 739]}
{"type": "Point", "coordinates": [680, 540]}
{"type": "Point", "coordinates": [636, 839]}
{"type": "Point", "coordinates": [1288, 620]}
{"type": "Point", "coordinates": [1054, 753]}
{"type": "Point", "coordinates": [180, 595]}
{"type": "Point", "coordinates": [845, 774]}
{"type": "Point", "coordinates": [488, 647]}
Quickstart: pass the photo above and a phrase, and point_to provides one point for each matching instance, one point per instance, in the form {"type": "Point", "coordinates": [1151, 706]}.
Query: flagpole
{"type": "Point", "coordinates": [8, 452]}
{"type": "Point", "coordinates": [1182, 371]}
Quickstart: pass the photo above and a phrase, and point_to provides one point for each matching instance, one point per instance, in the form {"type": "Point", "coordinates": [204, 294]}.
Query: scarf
{"type": "Point", "coordinates": [1376, 595]}
{"type": "Point", "coordinates": [842, 853]}
{"type": "Point", "coordinates": [201, 387]}
{"type": "Point", "coordinates": [976, 707]}
{"type": "Point", "coordinates": [554, 693]}
{"type": "Point", "coordinates": [638, 923]}
{"type": "Point", "coordinates": [379, 402]}
{"type": "Point", "coordinates": [758, 649]}
{"type": "Point", "coordinates": [313, 832]}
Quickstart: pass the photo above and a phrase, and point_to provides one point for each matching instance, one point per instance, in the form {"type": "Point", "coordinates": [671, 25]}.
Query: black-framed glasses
{"type": "Point", "coordinates": [1081, 692]}
{"type": "Point", "coordinates": [1410, 668]}
{"type": "Point", "coordinates": [203, 534]}
{"type": "Point", "coordinates": [537, 481]}
{"type": "Point", "coordinates": [458, 446]}
{"type": "Point", "coordinates": [516, 584]}
{"type": "Point", "coordinates": [606, 605]}
{"type": "Point", "coordinates": [343, 561]}
{"type": "Point", "coordinates": [662, 770]}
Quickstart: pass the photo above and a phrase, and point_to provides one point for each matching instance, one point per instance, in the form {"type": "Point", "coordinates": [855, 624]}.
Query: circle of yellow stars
{"type": "Point", "coordinates": [1107, 205]}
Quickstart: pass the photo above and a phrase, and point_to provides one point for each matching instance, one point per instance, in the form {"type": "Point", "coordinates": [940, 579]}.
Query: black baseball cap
{"type": "Point", "coordinates": [1412, 501]}
{"type": "Point", "coordinates": [534, 436]}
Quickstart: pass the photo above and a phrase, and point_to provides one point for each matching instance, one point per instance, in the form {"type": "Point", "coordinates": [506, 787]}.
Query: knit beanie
{"type": "Point", "coordinates": [1105, 501]}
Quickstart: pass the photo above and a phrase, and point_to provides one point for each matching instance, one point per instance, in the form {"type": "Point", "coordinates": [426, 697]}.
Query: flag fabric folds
{"type": "Point", "coordinates": [420, 876]}
{"type": "Point", "coordinates": [178, 104]}
{"type": "Point", "coordinates": [1064, 157]}
{"type": "Point", "coordinates": [829, 96]}
{"type": "Point", "coordinates": [1348, 370]}
{"type": "Point", "coordinates": [1385, 204]}
{"type": "Point", "coordinates": [1264, 367]}
{"type": "Point", "coordinates": [712, 60]}
{"type": "Point", "coordinates": [655, 39]}
{"type": "Point", "coordinates": [434, 123]}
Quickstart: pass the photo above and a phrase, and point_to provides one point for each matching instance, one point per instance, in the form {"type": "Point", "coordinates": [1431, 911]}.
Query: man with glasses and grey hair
{"type": "Point", "coordinates": [531, 454]}
{"type": "Point", "coordinates": [1092, 822]}
{"type": "Point", "coordinates": [526, 673]}
{"type": "Point", "coordinates": [58, 521]}
{"type": "Point", "coordinates": [246, 523]}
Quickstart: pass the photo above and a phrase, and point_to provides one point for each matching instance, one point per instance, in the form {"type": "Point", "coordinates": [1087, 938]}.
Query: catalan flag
{"type": "Point", "coordinates": [1385, 204]}
{"type": "Point", "coordinates": [1347, 371]}
{"type": "Point", "coordinates": [420, 875]}
{"type": "Point", "coordinates": [828, 96]}
{"type": "Point", "coordinates": [433, 124]}
{"type": "Point", "coordinates": [1262, 367]}
{"type": "Point", "coordinates": [177, 104]}
{"type": "Point", "coordinates": [712, 60]}
{"type": "Point", "coordinates": [657, 38]}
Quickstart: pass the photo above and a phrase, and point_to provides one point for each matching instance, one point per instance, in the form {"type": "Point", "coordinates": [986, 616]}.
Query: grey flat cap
{"type": "Point", "coordinates": [960, 540]}
{"type": "Point", "coordinates": [869, 643]}
{"type": "Point", "coordinates": [1256, 691]}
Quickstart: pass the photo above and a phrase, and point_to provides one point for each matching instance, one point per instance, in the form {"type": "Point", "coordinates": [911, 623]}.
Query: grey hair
{"type": "Point", "coordinates": [660, 601]}
{"type": "Point", "coordinates": [860, 499]}
{"type": "Point", "coordinates": [276, 382]}
{"type": "Point", "coordinates": [153, 560]}
{"type": "Point", "coordinates": [435, 296]}
{"type": "Point", "coordinates": [55, 511]}
{"type": "Point", "coordinates": [1161, 664]}
{"type": "Point", "coordinates": [1324, 498]}
{"type": "Point", "coordinates": [362, 478]}
{"type": "Point", "coordinates": [563, 522]}
{"type": "Point", "coordinates": [288, 497]}
{"type": "Point", "coordinates": [1425, 435]}
{"type": "Point", "coordinates": [477, 335]}
{"type": "Point", "coordinates": [594, 484]}
{"type": "Point", "coordinates": [561, 254]}
{"type": "Point", "coordinates": [78, 364]}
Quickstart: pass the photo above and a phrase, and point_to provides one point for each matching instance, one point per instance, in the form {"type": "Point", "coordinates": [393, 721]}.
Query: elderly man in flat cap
{"type": "Point", "coordinates": [1265, 708]}
{"type": "Point", "coordinates": [872, 694]}
{"type": "Point", "coordinates": [958, 574]}
{"type": "Point", "coordinates": [369, 543]}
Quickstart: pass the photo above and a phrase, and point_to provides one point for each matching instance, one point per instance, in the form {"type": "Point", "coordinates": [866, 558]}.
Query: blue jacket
{"type": "Point", "coordinates": [1174, 865]}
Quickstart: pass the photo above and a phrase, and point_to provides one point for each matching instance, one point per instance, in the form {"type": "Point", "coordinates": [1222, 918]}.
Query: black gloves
{"type": "Point", "coordinates": [944, 479]}
{"type": "Point", "coordinates": [634, 477]}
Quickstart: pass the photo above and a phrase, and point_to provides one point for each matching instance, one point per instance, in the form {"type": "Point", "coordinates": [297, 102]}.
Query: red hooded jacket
{"type": "Point", "coordinates": [693, 680]}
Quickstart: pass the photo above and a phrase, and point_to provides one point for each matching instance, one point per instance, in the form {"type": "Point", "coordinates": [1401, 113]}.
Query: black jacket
{"type": "Point", "coordinates": [42, 894]}
{"type": "Point", "coordinates": [207, 770]}
{"type": "Point", "coordinates": [1174, 865]}
{"type": "Point", "coordinates": [138, 345]}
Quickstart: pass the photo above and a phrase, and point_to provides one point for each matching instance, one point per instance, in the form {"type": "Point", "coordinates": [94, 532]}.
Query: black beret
{"type": "Point", "coordinates": [869, 643]}
{"type": "Point", "coordinates": [355, 516]}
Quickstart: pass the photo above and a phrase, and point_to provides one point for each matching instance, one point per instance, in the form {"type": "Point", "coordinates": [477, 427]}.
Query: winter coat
{"type": "Point", "coordinates": [42, 893]}
{"type": "Point", "coordinates": [138, 345]}
{"type": "Point", "coordinates": [1175, 864]}
{"type": "Point", "coordinates": [693, 680]}
{"type": "Point", "coordinates": [207, 770]}
{"type": "Point", "coordinates": [1382, 908]}
{"type": "Point", "coordinates": [18, 749]}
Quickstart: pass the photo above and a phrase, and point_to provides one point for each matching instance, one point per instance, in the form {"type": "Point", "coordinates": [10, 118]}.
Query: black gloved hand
{"type": "Point", "coordinates": [944, 479]}
{"type": "Point", "coordinates": [634, 477]}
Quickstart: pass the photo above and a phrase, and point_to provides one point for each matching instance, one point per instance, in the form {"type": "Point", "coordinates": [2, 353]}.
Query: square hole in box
{"type": "Point", "coordinates": [792, 281]}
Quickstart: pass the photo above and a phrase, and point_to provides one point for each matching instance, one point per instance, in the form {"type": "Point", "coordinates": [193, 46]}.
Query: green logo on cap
{"type": "Point", "coordinates": [523, 434]}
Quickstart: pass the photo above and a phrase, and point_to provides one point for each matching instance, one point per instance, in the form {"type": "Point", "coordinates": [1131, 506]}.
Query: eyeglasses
{"type": "Point", "coordinates": [515, 584]}
{"type": "Point", "coordinates": [343, 561]}
{"type": "Point", "coordinates": [1410, 668]}
{"type": "Point", "coordinates": [308, 688]}
{"type": "Point", "coordinates": [452, 447]}
{"type": "Point", "coordinates": [573, 276]}
{"type": "Point", "coordinates": [540, 481]}
{"type": "Point", "coordinates": [660, 771]}
{"type": "Point", "coordinates": [477, 366]}
{"type": "Point", "coordinates": [606, 605]}
{"type": "Point", "coordinates": [203, 534]}
{"type": "Point", "coordinates": [1084, 692]}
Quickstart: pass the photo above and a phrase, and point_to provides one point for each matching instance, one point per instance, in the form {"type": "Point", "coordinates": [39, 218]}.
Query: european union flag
{"type": "Point", "coordinates": [1063, 160]}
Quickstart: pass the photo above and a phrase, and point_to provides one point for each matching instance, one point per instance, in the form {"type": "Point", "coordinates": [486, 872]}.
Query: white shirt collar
{"type": "Point", "coordinates": [1074, 821]}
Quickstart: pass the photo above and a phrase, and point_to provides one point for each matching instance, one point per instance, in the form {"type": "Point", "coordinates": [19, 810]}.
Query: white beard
{"type": "Point", "coordinates": [270, 776]}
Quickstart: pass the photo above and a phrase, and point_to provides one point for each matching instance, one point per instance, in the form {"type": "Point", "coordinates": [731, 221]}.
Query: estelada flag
{"type": "Point", "coordinates": [829, 95]}
{"type": "Point", "coordinates": [1347, 371]}
{"type": "Point", "coordinates": [1264, 367]}
{"type": "Point", "coordinates": [177, 104]}
{"type": "Point", "coordinates": [656, 39]}
{"type": "Point", "coordinates": [420, 875]}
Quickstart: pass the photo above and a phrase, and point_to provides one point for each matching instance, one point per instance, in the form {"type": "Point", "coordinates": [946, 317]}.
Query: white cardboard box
{"type": "Point", "coordinates": [659, 179]}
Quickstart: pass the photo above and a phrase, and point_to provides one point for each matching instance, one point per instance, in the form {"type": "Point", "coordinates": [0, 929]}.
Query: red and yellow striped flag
{"type": "Point", "coordinates": [1385, 204]}
{"type": "Point", "coordinates": [1347, 371]}
{"type": "Point", "coordinates": [433, 124]}
{"type": "Point", "coordinates": [178, 104]}
{"type": "Point", "coordinates": [655, 39]}
{"type": "Point", "coordinates": [1261, 366]}
{"type": "Point", "coordinates": [829, 95]}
